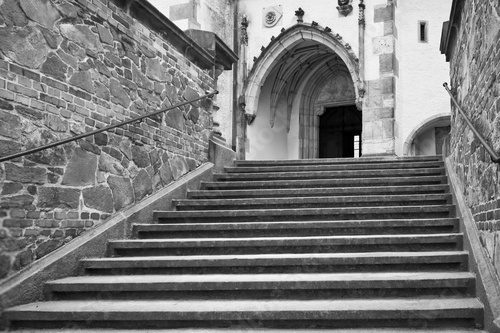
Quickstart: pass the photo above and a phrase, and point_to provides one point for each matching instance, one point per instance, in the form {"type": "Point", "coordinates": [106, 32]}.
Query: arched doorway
{"type": "Point", "coordinates": [427, 138]}
{"type": "Point", "coordinates": [300, 73]}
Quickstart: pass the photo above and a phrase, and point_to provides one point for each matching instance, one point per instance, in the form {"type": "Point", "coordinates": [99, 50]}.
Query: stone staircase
{"type": "Point", "coordinates": [303, 246]}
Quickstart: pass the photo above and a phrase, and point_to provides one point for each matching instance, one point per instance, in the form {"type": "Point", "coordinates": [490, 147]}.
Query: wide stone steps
{"type": "Point", "coordinates": [279, 262]}
{"type": "Point", "coordinates": [333, 161]}
{"type": "Point", "coordinates": [314, 202]}
{"type": "Point", "coordinates": [287, 214]}
{"type": "Point", "coordinates": [288, 313]}
{"type": "Point", "coordinates": [296, 228]}
{"type": "Point", "coordinates": [331, 174]}
{"type": "Point", "coordinates": [264, 286]}
{"type": "Point", "coordinates": [315, 244]}
{"type": "Point", "coordinates": [331, 245]}
{"type": "Point", "coordinates": [331, 167]}
{"type": "Point", "coordinates": [312, 192]}
{"type": "Point", "coordinates": [318, 183]}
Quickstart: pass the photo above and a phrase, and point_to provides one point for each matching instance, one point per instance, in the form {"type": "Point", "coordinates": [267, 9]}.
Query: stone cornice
{"type": "Point", "coordinates": [148, 15]}
{"type": "Point", "coordinates": [450, 28]}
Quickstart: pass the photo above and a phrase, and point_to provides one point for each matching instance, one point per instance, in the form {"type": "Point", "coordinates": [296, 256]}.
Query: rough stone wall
{"type": "Point", "coordinates": [475, 74]}
{"type": "Point", "coordinates": [67, 67]}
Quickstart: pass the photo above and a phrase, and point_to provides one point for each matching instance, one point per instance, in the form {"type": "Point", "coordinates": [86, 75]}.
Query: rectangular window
{"type": "Point", "coordinates": [422, 32]}
{"type": "Point", "coordinates": [357, 145]}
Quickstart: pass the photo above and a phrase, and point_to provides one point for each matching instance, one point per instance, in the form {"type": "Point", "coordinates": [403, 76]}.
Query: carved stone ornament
{"type": "Point", "coordinates": [271, 16]}
{"type": "Point", "coordinates": [344, 7]}
{"type": "Point", "coordinates": [300, 15]}
{"type": "Point", "coordinates": [244, 32]}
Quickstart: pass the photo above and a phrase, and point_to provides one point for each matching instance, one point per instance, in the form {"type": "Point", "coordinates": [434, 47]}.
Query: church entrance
{"type": "Point", "coordinates": [340, 132]}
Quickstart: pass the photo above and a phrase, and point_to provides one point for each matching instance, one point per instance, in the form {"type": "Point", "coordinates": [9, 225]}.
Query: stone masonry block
{"type": "Point", "coordinates": [384, 14]}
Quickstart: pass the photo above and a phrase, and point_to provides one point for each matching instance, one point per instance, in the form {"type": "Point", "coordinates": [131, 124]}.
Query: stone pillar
{"type": "Point", "coordinates": [378, 106]}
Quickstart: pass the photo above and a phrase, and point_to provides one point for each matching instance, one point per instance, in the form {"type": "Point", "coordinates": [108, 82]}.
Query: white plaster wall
{"type": "Point", "coordinates": [422, 69]}
{"type": "Point", "coordinates": [324, 12]}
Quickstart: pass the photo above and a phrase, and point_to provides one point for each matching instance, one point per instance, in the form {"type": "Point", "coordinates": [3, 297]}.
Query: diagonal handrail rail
{"type": "Point", "coordinates": [104, 129]}
{"type": "Point", "coordinates": [494, 156]}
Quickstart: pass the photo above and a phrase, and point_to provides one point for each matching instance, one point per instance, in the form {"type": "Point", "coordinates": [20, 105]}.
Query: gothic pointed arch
{"type": "Point", "coordinates": [292, 64]}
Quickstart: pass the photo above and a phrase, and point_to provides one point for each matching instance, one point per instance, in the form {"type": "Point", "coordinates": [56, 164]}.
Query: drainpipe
{"type": "Point", "coordinates": [235, 114]}
{"type": "Point", "coordinates": [362, 26]}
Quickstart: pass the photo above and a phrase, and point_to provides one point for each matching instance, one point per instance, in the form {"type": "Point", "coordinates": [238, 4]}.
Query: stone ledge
{"type": "Point", "coordinates": [27, 285]}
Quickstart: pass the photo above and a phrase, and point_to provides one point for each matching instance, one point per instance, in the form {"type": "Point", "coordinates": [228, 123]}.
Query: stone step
{"type": "Point", "coordinates": [317, 183]}
{"type": "Point", "coordinates": [332, 167]}
{"type": "Point", "coordinates": [320, 191]}
{"type": "Point", "coordinates": [261, 245]}
{"type": "Point", "coordinates": [305, 214]}
{"type": "Point", "coordinates": [295, 228]}
{"type": "Point", "coordinates": [314, 202]}
{"type": "Point", "coordinates": [256, 330]}
{"type": "Point", "coordinates": [282, 263]}
{"type": "Point", "coordinates": [265, 313]}
{"type": "Point", "coordinates": [331, 174]}
{"type": "Point", "coordinates": [319, 161]}
{"type": "Point", "coordinates": [244, 286]}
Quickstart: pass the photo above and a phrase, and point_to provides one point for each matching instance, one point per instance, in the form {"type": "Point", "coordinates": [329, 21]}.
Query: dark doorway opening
{"type": "Point", "coordinates": [340, 132]}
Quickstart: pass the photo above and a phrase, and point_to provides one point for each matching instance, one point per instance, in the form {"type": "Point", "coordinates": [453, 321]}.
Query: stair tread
{"type": "Point", "coordinates": [288, 224]}
{"type": "Point", "coordinates": [255, 278]}
{"type": "Point", "coordinates": [316, 240]}
{"type": "Point", "coordinates": [378, 159]}
{"type": "Point", "coordinates": [347, 198]}
{"type": "Point", "coordinates": [322, 190]}
{"type": "Point", "coordinates": [257, 330]}
{"type": "Point", "coordinates": [272, 259]}
{"type": "Point", "coordinates": [201, 309]}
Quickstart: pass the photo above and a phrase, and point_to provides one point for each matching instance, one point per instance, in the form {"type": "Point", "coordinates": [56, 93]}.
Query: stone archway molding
{"type": "Point", "coordinates": [422, 127]}
{"type": "Point", "coordinates": [280, 45]}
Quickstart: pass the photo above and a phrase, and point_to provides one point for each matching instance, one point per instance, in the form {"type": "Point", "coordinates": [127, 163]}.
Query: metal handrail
{"type": "Point", "coordinates": [104, 129]}
{"type": "Point", "coordinates": [494, 156]}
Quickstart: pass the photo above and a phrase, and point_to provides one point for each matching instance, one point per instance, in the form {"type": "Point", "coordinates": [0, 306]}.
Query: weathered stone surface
{"type": "Point", "coordinates": [102, 91]}
{"type": "Point", "coordinates": [47, 247]}
{"type": "Point", "coordinates": [6, 105]}
{"type": "Point", "coordinates": [31, 175]}
{"type": "Point", "coordinates": [41, 11]}
{"type": "Point", "coordinates": [111, 165]}
{"type": "Point", "coordinates": [123, 193]}
{"type": "Point", "coordinates": [67, 9]}
{"type": "Point", "coordinates": [81, 169]}
{"type": "Point", "coordinates": [52, 39]}
{"type": "Point", "coordinates": [141, 80]}
{"type": "Point", "coordinates": [81, 35]}
{"type": "Point", "coordinates": [11, 188]}
{"type": "Point", "coordinates": [12, 13]}
{"type": "Point", "coordinates": [194, 114]}
{"type": "Point", "coordinates": [174, 118]}
{"type": "Point", "coordinates": [178, 166]}
{"type": "Point", "coordinates": [125, 148]}
{"type": "Point", "coordinates": [4, 265]}
{"type": "Point", "coordinates": [140, 156]}
{"type": "Point", "coordinates": [56, 123]}
{"type": "Point", "coordinates": [118, 94]}
{"type": "Point", "coordinates": [90, 147]}
{"type": "Point", "coordinates": [58, 197]}
{"type": "Point", "coordinates": [190, 94]}
{"type": "Point", "coordinates": [82, 80]}
{"type": "Point", "coordinates": [155, 71]}
{"type": "Point", "coordinates": [166, 173]}
{"type": "Point", "coordinates": [52, 156]}
{"type": "Point", "coordinates": [9, 147]}
{"type": "Point", "coordinates": [23, 259]}
{"type": "Point", "coordinates": [55, 67]}
{"type": "Point", "coordinates": [10, 125]}
{"type": "Point", "coordinates": [105, 35]}
{"type": "Point", "coordinates": [18, 201]}
{"type": "Point", "coordinates": [98, 197]}
{"type": "Point", "coordinates": [29, 113]}
{"type": "Point", "coordinates": [142, 185]}
{"type": "Point", "coordinates": [25, 46]}
{"type": "Point", "coordinates": [101, 139]}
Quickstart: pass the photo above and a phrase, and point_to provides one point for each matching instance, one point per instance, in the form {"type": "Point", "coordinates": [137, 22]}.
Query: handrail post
{"type": "Point", "coordinates": [104, 129]}
{"type": "Point", "coordinates": [494, 156]}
